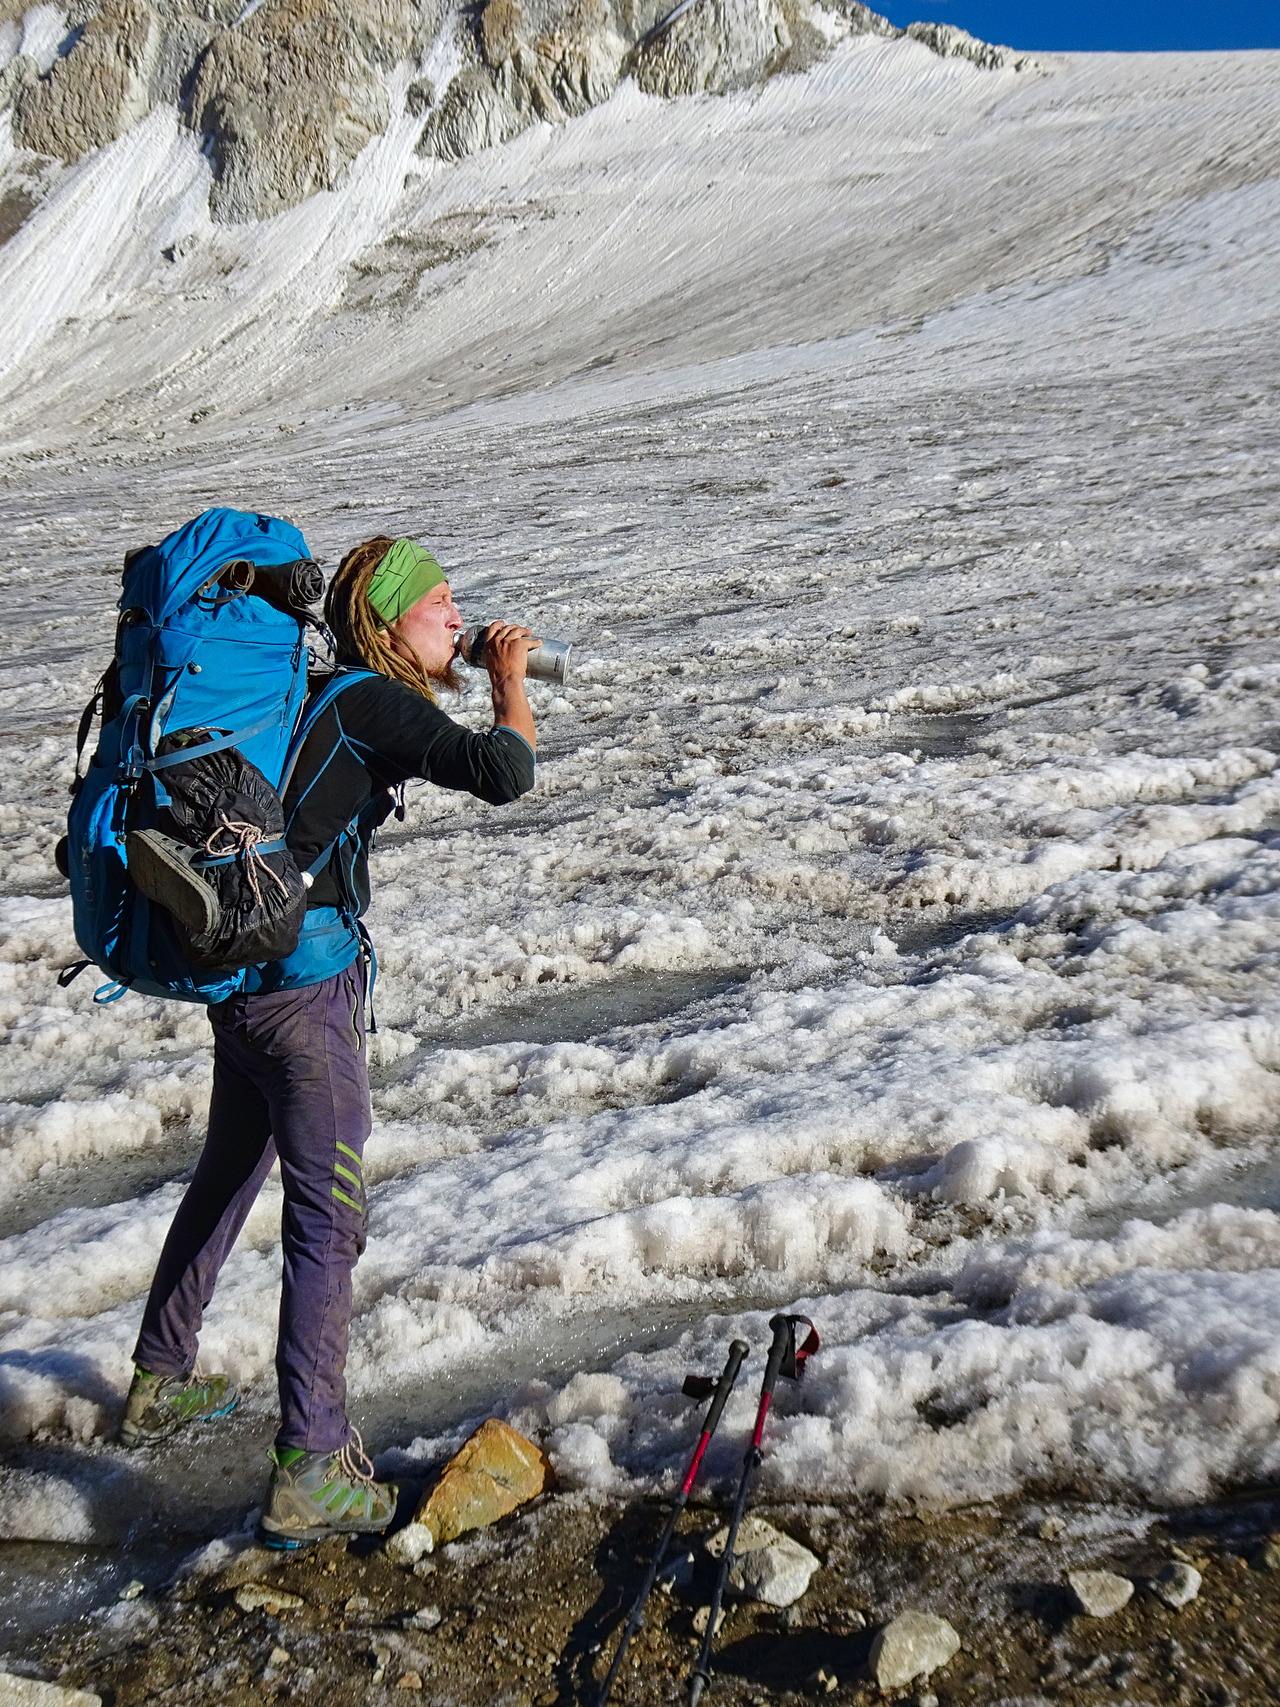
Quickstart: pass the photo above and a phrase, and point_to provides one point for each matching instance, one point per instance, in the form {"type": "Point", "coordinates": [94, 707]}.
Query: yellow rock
{"type": "Point", "coordinates": [496, 1471]}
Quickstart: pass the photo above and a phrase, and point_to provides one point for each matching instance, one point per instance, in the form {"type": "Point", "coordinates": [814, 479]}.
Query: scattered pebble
{"type": "Point", "coordinates": [913, 1645]}
{"type": "Point", "coordinates": [1051, 1528]}
{"type": "Point", "coordinates": [701, 1617]}
{"type": "Point", "coordinates": [425, 1618]}
{"type": "Point", "coordinates": [251, 1596]}
{"type": "Point", "coordinates": [133, 1590]}
{"type": "Point", "coordinates": [823, 1683]}
{"type": "Point", "coordinates": [410, 1680]}
{"type": "Point", "coordinates": [357, 1603]}
{"type": "Point", "coordinates": [1269, 1560]}
{"type": "Point", "coordinates": [1176, 1584]}
{"type": "Point", "coordinates": [1100, 1594]}
{"type": "Point", "coordinates": [279, 1657]}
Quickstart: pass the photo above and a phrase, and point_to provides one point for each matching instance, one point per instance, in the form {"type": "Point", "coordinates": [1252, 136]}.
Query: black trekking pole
{"type": "Point", "coordinates": [696, 1387]}
{"type": "Point", "coordinates": [788, 1361]}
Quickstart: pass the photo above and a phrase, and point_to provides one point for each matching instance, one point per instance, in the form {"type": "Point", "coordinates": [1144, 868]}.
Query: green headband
{"type": "Point", "coordinates": [406, 572]}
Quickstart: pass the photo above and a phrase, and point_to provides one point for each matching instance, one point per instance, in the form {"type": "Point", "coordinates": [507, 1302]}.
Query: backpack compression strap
{"type": "Point", "coordinates": [184, 754]}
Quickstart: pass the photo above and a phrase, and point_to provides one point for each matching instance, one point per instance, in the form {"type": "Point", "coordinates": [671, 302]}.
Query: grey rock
{"type": "Point", "coordinates": [392, 1646]}
{"type": "Point", "coordinates": [407, 1546]}
{"type": "Point", "coordinates": [98, 90]}
{"type": "Point", "coordinates": [473, 113]}
{"type": "Point", "coordinates": [1177, 1584]}
{"type": "Point", "coordinates": [187, 28]}
{"type": "Point", "coordinates": [498, 28]}
{"type": "Point", "coordinates": [425, 1618]}
{"type": "Point", "coordinates": [864, 20]}
{"type": "Point", "coordinates": [420, 97]}
{"type": "Point", "coordinates": [767, 1565]}
{"type": "Point", "coordinates": [913, 1645]}
{"type": "Point", "coordinates": [1100, 1594]}
{"type": "Point", "coordinates": [285, 106]}
{"type": "Point", "coordinates": [702, 1617]}
{"type": "Point", "coordinates": [582, 63]}
{"type": "Point", "coordinates": [716, 46]}
{"type": "Point", "coordinates": [16, 77]}
{"type": "Point", "coordinates": [527, 74]}
{"type": "Point", "coordinates": [251, 1596]}
{"type": "Point", "coordinates": [124, 1624]}
{"type": "Point", "coordinates": [777, 1575]}
{"type": "Point", "coordinates": [950, 42]}
{"type": "Point", "coordinates": [288, 98]}
{"type": "Point", "coordinates": [24, 182]}
{"type": "Point", "coordinates": [18, 1691]}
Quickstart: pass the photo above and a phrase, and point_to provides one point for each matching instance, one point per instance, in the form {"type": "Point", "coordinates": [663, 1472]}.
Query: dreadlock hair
{"type": "Point", "coordinates": [358, 629]}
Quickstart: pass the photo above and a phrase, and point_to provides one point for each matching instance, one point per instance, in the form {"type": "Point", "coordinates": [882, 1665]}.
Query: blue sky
{"type": "Point", "coordinates": [1092, 25]}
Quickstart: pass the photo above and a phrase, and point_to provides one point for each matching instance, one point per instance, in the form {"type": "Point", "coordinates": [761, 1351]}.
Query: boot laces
{"type": "Point", "coordinates": [355, 1463]}
{"type": "Point", "coordinates": [233, 838]}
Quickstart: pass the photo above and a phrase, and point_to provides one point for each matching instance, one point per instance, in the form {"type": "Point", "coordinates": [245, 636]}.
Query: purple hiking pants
{"type": "Point", "coordinates": [290, 1079]}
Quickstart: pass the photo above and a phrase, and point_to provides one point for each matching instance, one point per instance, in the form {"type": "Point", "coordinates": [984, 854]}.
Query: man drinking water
{"type": "Point", "coordinates": [290, 1073]}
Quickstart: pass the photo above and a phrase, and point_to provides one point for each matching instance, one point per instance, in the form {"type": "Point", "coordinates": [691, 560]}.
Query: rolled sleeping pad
{"type": "Point", "coordinates": [290, 587]}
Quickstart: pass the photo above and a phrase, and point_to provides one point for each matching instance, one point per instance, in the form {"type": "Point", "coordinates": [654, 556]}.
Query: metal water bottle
{"type": "Point", "coordinates": [547, 662]}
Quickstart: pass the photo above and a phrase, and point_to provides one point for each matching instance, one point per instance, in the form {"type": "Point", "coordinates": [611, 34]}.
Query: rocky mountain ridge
{"type": "Point", "coordinates": [284, 94]}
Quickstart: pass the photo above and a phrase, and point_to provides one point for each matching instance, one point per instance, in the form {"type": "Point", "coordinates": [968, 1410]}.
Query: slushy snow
{"type": "Point", "coordinates": [893, 930]}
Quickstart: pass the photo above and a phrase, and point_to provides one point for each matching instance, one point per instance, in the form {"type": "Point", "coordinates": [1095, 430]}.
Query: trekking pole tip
{"type": "Point", "coordinates": [697, 1683]}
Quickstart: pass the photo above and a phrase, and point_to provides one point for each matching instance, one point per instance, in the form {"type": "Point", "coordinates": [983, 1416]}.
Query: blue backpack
{"type": "Point", "coordinates": [202, 711]}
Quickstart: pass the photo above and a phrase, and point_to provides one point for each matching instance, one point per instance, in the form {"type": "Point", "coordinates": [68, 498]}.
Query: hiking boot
{"type": "Point", "coordinates": [159, 1405]}
{"type": "Point", "coordinates": [315, 1494]}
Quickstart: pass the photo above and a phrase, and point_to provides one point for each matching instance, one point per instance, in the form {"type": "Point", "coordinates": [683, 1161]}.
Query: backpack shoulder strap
{"type": "Point", "coordinates": [319, 702]}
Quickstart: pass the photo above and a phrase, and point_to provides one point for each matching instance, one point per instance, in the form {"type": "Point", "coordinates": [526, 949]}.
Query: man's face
{"type": "Point", "coordinates": [428, 628]}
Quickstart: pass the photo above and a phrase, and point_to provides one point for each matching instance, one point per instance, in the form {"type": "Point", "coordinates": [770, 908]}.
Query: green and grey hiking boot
{"type": "Point", "coordinates": [159, 1405]}
{"type": "Point", "coordinates": [315, 1494]}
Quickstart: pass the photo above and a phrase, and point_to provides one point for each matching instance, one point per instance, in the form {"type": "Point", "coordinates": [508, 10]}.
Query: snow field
{"type": "Point", "coordinates": [926, 698]}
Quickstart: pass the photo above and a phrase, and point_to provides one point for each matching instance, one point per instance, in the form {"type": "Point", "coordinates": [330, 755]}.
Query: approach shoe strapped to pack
{"type": "Point", "coordinates": [316, 1494]}
{"type": "Point", "coordinates": [159, 1405]}
{"type": "Point", "coordinates": [163, 870]}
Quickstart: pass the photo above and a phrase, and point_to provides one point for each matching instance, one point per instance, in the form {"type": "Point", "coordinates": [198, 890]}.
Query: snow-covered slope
{"type": "Point", "coordinates": [895, 923]}
{"type": "Point", "coordinates": [883, 185]}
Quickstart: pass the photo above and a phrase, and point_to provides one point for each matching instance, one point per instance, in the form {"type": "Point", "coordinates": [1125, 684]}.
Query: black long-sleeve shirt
{"type": "Point", "coordinates": [376, 734]}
